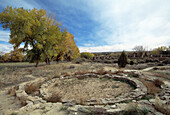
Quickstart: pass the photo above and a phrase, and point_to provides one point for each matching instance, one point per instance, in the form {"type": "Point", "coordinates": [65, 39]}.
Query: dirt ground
{"type": "Point", "coordinates": [89, 88]}
{"type": "Point", "coordinates": [12, 74]}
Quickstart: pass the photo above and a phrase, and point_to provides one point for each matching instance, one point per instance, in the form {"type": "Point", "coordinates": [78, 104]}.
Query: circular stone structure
{"type": "Point", "coordinates": [94, 89]}
{"type": "Point", "coordinates": [111, 105]}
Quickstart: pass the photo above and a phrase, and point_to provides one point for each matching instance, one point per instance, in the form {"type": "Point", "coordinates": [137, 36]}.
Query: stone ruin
{"type": "Point", "coordinates": [109, 105]}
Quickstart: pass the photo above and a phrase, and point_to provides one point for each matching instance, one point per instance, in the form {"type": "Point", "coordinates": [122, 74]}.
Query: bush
{"type": "Point", "coordinates": [161, 106]}
{"type": "Point", "coordinates": [12, 91]}
{"type": "Point", "coordinates": [151, 88]}
{"type": "Point", "coordinates": [141, 61]}
{"type": "Point", "coordinates": [122, 61]}
{"type": "Point", "coordinates": [133, 74]}
{"type": "Point", "coordinates": [86, 55]}
{"type": "Point", "coordinates": [133, 109]}
{"type": "Point", "coordinates": [149, 60]}
{"type": "Point", "coordinates": [160, 64]}
{"type": "Point", "coordinates": [131, 62]}
{"type": "Point", "coordinates": [167, 61]}
{"type": "Point", "coordinates": [135, 61]}
{"type": "Point", "coordinates": [102, 72]}
{"type": "Point", "coordinates": [31, 88]}
{"type": "Point", "coordinates": [158, 83]}
{"type": "Point", "coordinates": [108, 61]}
{"type": "Point", "coordinates": [55, 97]}
{"type": "Point", "coordinates": [23, 100]}
{"type": "Point", "coordinates": [128, 61]}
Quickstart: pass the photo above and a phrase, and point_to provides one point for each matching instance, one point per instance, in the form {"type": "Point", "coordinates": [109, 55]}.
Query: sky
{"type": "Point", "coordinates": [104, 25]}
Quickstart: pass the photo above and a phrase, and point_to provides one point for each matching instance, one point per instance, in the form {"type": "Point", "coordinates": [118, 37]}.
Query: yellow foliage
{"type": "Point", "coordinates": [87, 55]}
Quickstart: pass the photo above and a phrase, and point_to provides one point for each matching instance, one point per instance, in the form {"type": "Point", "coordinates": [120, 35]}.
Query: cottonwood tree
{"type": "Point", "coordinates": [26, 26]}
{"type": "Point", "coordinates": [35, 29]}
{"type": "Point", "coordinates": [140, 50]}
{"type": "Point", "coordinates": [16, 55]}
{"type": "Point", "coordinates": [160, 50]}
{"type": "Point", "coordinates": [6, 57]}
{"type": "Point", "coordinates": [1, 58]}
{"type": "Point", "coordinates": [67, 50]}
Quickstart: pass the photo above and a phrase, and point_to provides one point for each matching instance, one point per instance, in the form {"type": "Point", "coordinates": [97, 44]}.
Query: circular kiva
{"type": "Point", "coordinates": [138, 91]}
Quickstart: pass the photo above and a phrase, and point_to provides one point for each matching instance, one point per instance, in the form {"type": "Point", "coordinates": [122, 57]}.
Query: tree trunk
{"type": "Point", "coordinates": [46, 61]}
{"type": "Point", "coordinates": [37, 62]}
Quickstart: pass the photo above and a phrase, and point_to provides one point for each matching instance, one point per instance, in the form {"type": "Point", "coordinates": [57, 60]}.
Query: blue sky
{"type": "Point", "coordinates": [104, 25]}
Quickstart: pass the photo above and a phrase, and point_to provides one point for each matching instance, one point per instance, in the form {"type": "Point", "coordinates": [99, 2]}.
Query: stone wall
{"type": "Point", "coordinates": [108, 106]}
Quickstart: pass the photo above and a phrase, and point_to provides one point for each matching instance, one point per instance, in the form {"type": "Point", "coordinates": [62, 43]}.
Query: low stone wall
{"type": "Point", "coordinates": [108, 106]}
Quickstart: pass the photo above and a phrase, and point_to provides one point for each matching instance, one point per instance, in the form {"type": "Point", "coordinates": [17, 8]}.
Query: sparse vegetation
{"type": "Point", "coordinates": [31, 88]}
{"type": "Point", "coordinates": [158, 83]}
{"type": "Point", "coordinates": [151, 88]}
{"type": "Point", "coordinates": [23, 100]}
{"type": "Point", "coordinates": [12, 91]}
{"type": "Point", "coordinates": [133, 74]}
{"type": "Point", "coordinates": [134, 109]}
{"type": "Point", "coordinates": [162, 107]}
{"type": "Point", "coordinates": [64, 76]}
{"type": "Point", "coordinates": [102, 72]}
{"type": "Point", "coordinates": [55, 97]}
{"type": "Point", "coordinates": [83, 88]}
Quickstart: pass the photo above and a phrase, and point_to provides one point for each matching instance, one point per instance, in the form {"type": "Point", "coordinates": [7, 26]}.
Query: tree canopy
{"type": "Point", "coordinates": [35, 29]}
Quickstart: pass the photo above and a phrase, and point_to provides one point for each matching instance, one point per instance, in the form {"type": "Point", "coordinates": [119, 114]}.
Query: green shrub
{"type": "Point", "coordinates": [167, 61]}
{"type": "Point", "coordinates": [135, 61]}
{"type": "Point", "coordinates": [140, 61]}
{"type": "Point", "coordinates": [86, 55]}
{"type": "Point", "coordinates": [128, 61]}
{"type": "Point", "coordinates": [122, 61]}
{"type": "Point", "coordinates": [131, 62]}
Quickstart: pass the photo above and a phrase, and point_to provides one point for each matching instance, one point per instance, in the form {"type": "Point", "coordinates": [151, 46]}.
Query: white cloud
{"type": "Point", "coordinates": [4, 35]}
{"type": "Point", "coordinates": [5, 48]}
{"type": "Point", "coordinates": [128, 46]}
{"type": "Point", "coordinates": [125, 24]}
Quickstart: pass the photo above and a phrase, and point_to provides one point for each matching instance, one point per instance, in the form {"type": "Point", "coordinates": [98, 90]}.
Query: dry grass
{"type": "Point", "coordinates": [158, 83]}
{"type": "Point", "coordinates": [31, 88]}
{"type": "Point", "coordinates": [49, 78]}
{"type": "Point", "coordinates": [134, 109]}
{"type": "Point", "coordinates": [88, 88]}
{"type": "Point", "coordinates": [164, 108]}
{"type": "Point", "coordinates": [102, 72]}
{"type": "Point", "coordinates": [81, 72]}
{"type": "Point", "coordinates": [30, 71]}
{"type": "Point", "coordinates": [12, 91]}
{"type": "Point", "coordinates": [14, 72]}
{"type": "Point", "coordinates": [0, 84]}
{"type": "Point", "coordinates": [55, 97]}
{"type": "Point", "coordinates": [151, 88]}
{"type": "Point", "coordinates": [81, 99]}
{"type": "Point", "coordinates": [67, 74]}
{"type": "Point", "coordinates": [23, 100]}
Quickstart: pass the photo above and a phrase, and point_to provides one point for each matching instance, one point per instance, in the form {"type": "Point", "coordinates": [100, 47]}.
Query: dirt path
{"type": "Point", "coordinates": [149, 68]}
{"type": "Point", "coordinates": [7, 102]}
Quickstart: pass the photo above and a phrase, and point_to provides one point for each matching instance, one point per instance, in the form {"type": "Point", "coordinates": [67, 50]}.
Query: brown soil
{"type": "Point", "coordinates": [89, 88]}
